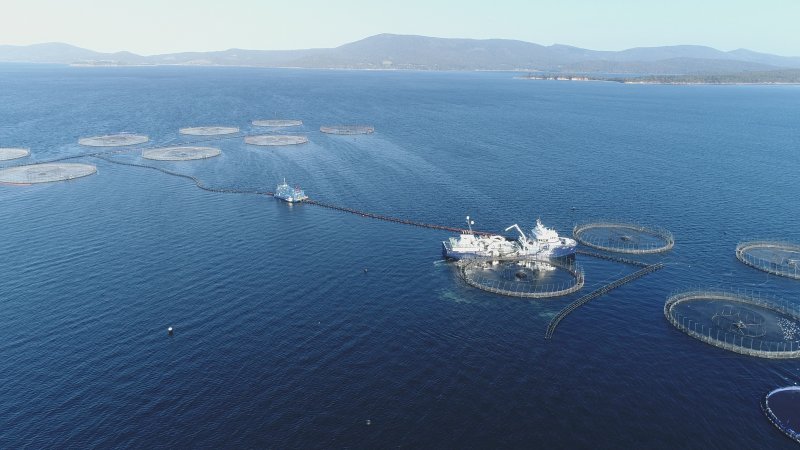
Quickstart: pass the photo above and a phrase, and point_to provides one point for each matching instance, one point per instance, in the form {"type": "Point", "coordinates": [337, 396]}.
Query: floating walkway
{"type": "Point", "coordinates": [551, 328]}
{"type": "Point", "coordinates": [200, 184]}
{"type": "Point", "coordinates": [392, 219]}
{"type": "Point", "coordinates": [621, 237]}
{"type": "Point", "coordinates": [632, 262]}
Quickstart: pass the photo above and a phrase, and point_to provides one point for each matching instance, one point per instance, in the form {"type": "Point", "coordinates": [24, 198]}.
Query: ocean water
{"type": "Point", "coordinates": [282, 340]}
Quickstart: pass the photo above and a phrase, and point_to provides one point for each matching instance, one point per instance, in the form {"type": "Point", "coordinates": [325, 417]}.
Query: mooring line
{"type": "Point", "coordinates": [366, 214]}
{"type": "Point", "coordinates": [618, 259]}
{"type": "Point", "coordinates": [196, 180]}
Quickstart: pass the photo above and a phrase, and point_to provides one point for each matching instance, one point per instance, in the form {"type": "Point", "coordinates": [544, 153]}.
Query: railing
{"type": "Point", "coordinates": [632, 262]}
{"type": "Point", "coordinates": [520, 289]}
{"type": "Point", "coordinates": [785, 270]}
{"type": "Point", "coordinates": [735, 342]}
{"type": "Point", "coordinates": [632, 248]}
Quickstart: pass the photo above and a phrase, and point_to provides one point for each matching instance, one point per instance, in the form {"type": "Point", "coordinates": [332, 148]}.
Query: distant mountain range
{"type": "Point", "coordinates": [391, 51]}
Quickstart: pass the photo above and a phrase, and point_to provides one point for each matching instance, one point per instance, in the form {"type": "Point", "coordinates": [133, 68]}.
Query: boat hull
{"type": "Point", "coordinates": [562, 252]}
{"type": "Point", "coordinates": [558, 252]}
{"type": "Point", "coordinates": [290, 199]}
{"type": "Point", "coordinates": [449, 253]}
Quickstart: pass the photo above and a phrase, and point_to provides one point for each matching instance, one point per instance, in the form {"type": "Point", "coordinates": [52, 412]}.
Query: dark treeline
{"type": "Point", "coordinates": [787, 76]}
{"type": "Point", "coordinates": [760, 77]}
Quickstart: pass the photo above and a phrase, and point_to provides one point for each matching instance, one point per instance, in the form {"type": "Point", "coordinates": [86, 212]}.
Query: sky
{"type": "Point", "coordinates": [165, 26]}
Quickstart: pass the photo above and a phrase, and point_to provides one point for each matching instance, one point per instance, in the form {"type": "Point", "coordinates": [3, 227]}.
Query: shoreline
{"type": "Point", "coordinates": [668, 83]}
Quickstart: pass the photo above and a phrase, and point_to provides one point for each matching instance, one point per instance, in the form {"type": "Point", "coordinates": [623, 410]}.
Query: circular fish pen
{"type": "Point", "coordinates": [45, 173]}
{"type": "Point", "coordinates": [114, 140]}
{"type": "Point", "coordinates": [277, 123]}
{"type": "Point", "coordinates": [208, 131]}
{"type": "Point", "coordinates": [621, 237]}
{"type": "Point", "coordinates": [347, 129]}
{"type": "Point", "coordinates": [739, 323]}
{"type": "Point", "coordinates": [777, 258]}
{"type": "Point", "coordinates": [10, 153]}
{"type": "Point", "coordinates": [782, 407]}
{"type": "Point", "coordinates": [180, 153]}
{"type": "Point", "coordinates": [268, 140]}
{"type": "Point", "coordinates": [521, 276]}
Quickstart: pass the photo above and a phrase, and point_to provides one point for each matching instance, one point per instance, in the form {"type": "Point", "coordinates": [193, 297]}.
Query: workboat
{"type": "Point", "coordinates": [543, 242]}
{"type": "Point", "coordinates": [289, 194]}
{"type": "Point", "coordinates": [469, 245]}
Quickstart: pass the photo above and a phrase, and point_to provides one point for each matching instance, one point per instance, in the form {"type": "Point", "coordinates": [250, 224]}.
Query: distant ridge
{"type": "Point", "coordinates": [391, 51]}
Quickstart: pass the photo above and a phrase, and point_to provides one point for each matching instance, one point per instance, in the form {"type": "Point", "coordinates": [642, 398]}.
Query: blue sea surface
{"type": "Point", "coordinates": [283, 340]}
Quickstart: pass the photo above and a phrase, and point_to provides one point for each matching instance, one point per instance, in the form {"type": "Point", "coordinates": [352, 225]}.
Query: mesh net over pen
{"type": "Point", "coordinates": [525, 276]}
{"type": "Point", "coordinates": [9, 153]}
{"type": "Point", "coordinates": [775, 257]}
{"type": "Point", "coordinates": [45, 173]}
{"type": "Point", "coordinates": [738, 322]}
{"type": "Point", "coordinates": [622, 237]}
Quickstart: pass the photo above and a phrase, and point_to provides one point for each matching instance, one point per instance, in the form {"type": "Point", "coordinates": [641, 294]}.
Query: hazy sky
{"type": "Point", "coordinates": [162, 26]}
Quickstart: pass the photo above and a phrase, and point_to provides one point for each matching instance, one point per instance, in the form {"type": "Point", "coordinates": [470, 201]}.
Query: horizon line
{"type": "Point", "coordinates": [392, 34]}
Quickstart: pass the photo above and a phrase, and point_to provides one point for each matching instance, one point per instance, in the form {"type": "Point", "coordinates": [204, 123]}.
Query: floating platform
{"type": "Point", "coordinates": [521, 276]}
{"type": "Point", "coordinates": [180, 153]}
{"type": "Point", "coordinates": [114, 140]}
{"type": "Point", "coordinates": [208, 131]}
{"type": "Point", "coordinates": [45, 173]}
{"type": "Point", "coordinates": [622, 237]}
{"type": "Point", "coordinates": [272, 140]}
{"type": "Point", "coordinates": [782, 407]}
{"type": "Point", "coordinates": [9, 153]}
{"type": "Point", "coordinates": [775, 257]}
{"type": "Point", "coordinates": [737, 322]}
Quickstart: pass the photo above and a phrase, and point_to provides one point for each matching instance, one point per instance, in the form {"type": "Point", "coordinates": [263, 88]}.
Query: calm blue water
{"type": "Point", "coordinates": [283, 341]}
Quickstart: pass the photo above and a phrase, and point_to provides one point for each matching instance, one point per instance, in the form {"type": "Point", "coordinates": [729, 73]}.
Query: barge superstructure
{"type": "Point", "coordinates": [542, 243]}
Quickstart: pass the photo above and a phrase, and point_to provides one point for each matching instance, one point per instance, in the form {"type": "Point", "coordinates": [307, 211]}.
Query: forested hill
{"type": "Point", "coordinates": [399, 52]}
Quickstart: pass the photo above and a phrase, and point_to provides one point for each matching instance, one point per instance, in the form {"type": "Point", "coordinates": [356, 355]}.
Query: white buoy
{"type": "Point", "coordinates": [169, 331]}
{"type": "Point", "coordinates": [369, 422]}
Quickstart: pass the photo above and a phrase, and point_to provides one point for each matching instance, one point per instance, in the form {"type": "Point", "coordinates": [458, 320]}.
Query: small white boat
{"type": "Point", "coordinates": [289, 194]}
